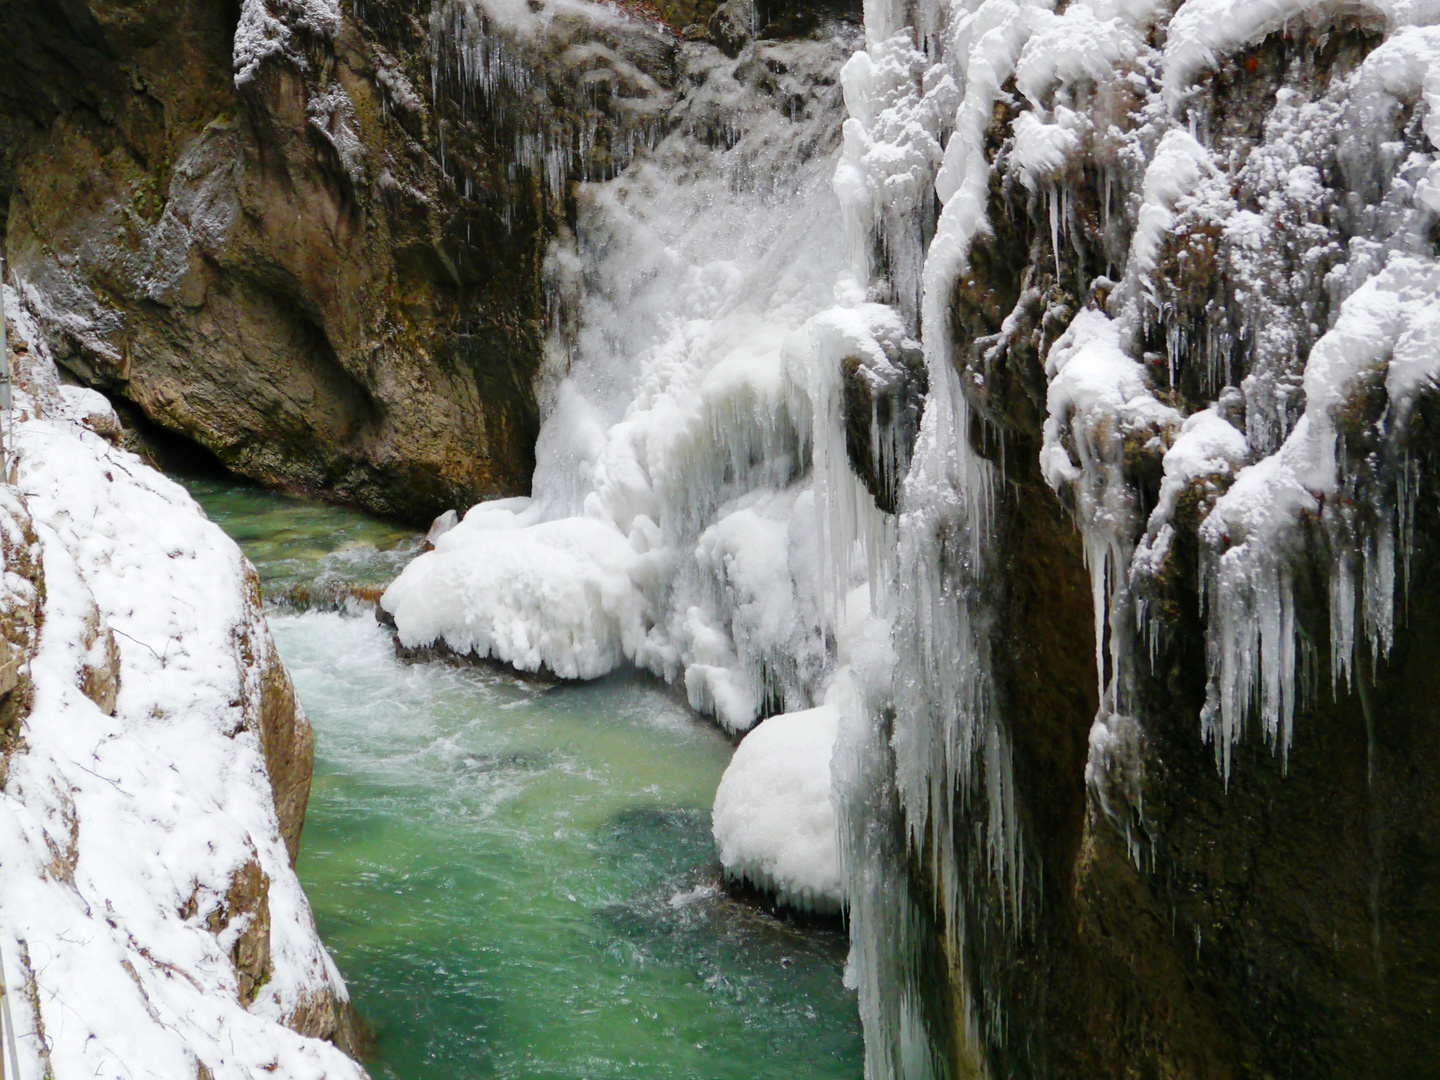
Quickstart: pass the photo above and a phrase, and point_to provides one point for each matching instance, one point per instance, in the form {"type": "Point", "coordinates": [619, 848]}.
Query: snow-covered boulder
{"type": "Point", "coordinates": [773, 820]}
{"type": "Point", "coordinates": [154, 769]}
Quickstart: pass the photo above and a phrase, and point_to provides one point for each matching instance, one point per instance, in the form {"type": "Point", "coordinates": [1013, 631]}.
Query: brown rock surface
{"type": "Point", "coordinates": [272, 710]}
{"type": "Point", "coordinates": [283, 271]}
{"type": "Point", "coordinates": [22, 599]}
{"type": "Point", "coordinates": [247, 901]}
{"type": "Point", "coordinates": [326, 1016]}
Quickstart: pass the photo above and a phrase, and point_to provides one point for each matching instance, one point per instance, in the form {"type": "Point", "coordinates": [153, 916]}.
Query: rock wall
{"type": "Point", "coordinates": [1210, 468]}
{"type": "Point", "coordinates": [311, 236]}
{"type": "Point", "coordinates": [270, 251]}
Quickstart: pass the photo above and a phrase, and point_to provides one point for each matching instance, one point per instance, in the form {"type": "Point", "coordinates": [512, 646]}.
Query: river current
{"type": "Point", "coordinates": [516, 877]}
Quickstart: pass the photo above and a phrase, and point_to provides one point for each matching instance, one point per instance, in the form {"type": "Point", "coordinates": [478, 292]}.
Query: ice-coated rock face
{"type": "Point", "coordinates": [672, 524]}
{"type": "Point", "coordinates": [155, 769]}
{"type": "Point", "coordinates": [1107, 620]}
{"type": "Point", "coordinates": [1183, 258]}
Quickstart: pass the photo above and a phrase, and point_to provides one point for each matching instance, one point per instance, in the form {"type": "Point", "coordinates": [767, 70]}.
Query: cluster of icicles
{"type": "Point", "coordinates": [505, 65]}
{"type": "Point", "coordinates": [695, 512]}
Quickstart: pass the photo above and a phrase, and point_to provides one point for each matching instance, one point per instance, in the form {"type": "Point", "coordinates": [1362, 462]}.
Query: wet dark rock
{"type": "Point", "coordinates": [732, 25]}
{"type": "Point", "coordinates": [883, 400]}
{"type": "Point", "coordinates": [271, 710]}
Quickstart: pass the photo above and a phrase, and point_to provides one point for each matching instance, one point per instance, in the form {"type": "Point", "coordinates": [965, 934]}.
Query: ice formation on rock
{"type": "Point", "coordinates": [281, 27]}
{"type": "Point", "coordinates": [774, 822]}
{"type": "Point", "coordinates": [673, 525]}
{"type": "Point", "coordinates": [152, 921]}
{"type": "Point", "coordinates": [1265, 417]}
{"type": "Point", "coordinates": [1232, 325]}
{"type": "Point", "coordinates": [579, 87]}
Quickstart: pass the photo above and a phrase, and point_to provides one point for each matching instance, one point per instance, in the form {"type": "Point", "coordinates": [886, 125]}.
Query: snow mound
{"type": "Point", "coordinates": [773, 819]}
{"type": "Point", "coordinates": [558, 595]}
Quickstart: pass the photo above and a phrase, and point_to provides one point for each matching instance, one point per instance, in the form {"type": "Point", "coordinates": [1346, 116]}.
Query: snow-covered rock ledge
{"type": "Point", "coordinates": [154, 770]}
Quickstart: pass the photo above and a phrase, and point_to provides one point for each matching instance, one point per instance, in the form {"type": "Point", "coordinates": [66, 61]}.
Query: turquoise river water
{"type": "Point", "coordinates": [516, 877]}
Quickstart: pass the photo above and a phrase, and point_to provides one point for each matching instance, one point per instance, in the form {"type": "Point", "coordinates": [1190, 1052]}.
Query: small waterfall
{"type": "Point", "coordinates": [679, 430]}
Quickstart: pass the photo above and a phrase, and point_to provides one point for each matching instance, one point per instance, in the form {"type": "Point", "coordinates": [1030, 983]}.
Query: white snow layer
{"type": "Point", "coordinates": [1203, 32]}
{"type": "Point", "coordinates": [120, 834]}
{"type": "Point", "coordinates": [271, 28]}
{"type": "Point", "coordinates": [773, 821]}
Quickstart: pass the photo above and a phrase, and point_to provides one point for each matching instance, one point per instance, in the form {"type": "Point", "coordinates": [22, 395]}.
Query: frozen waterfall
{"type": "Point", "coordinates": [1233, 328]}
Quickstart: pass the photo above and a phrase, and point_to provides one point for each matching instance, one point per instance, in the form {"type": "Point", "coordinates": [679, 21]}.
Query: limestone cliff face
{"type": "Point", "coordinates": [267, 247]}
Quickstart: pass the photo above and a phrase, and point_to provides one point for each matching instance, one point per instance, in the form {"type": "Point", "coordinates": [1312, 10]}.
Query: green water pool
{"type": "Point", "coordinates": [517, 878]}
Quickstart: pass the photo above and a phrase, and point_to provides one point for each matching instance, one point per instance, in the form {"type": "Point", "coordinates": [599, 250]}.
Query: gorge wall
{"type": "Point", "coordinates": [1182, 285]}
{"type": "Point", "coordinates": [154, 773]}
{"type": "Point", "coordinates": [1048, 389]}
{"type": "Point", "coordinates": [1093, 497]}
{"type": "Point", "coordinates": [291, 248]}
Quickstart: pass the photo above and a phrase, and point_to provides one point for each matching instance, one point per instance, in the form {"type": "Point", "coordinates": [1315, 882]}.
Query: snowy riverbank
{"type": "Point", "coordinates": [155, 769]}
